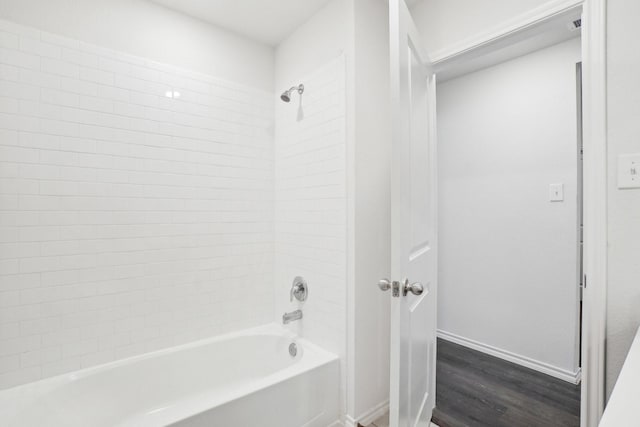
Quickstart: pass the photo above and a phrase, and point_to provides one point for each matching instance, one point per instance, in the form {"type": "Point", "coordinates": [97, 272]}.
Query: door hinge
{"type": "Point", "coordinates": [584, 282]}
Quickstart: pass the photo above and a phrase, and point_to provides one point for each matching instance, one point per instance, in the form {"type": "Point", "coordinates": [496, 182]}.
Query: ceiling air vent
{"type": "Point", "coordinates": [575, 25]}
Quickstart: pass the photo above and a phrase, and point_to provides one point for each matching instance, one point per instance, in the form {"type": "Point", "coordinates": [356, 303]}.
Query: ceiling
{"type": "Point", "coordinates": [267, 21]}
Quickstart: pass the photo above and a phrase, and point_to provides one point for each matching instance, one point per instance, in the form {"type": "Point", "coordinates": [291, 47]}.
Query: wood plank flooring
{"type": "Point", "coordinates": [475, 389]}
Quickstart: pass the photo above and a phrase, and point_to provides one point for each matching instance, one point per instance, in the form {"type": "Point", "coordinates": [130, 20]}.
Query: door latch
{"type": "Point", "coordinates": [386, 284]}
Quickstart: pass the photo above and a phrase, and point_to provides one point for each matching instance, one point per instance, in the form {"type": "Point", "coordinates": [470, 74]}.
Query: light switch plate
{"type": "Point", "coordinates": [556, 192]}
{"type": "Point", "coordinates": [629, 171]}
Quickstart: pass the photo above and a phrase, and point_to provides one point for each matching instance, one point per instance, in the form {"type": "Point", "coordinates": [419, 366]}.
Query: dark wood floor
{"type": "Point", "coordinates": [475, 389]}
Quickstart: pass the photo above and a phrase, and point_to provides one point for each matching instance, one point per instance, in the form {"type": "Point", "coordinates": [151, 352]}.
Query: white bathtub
{"type": "Point", "coordinates": [241, 379]}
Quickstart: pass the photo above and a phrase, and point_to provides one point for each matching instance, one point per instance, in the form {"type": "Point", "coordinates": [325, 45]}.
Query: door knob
{"type": "Point", "coordinates": [384, 284]}
{"type": "Point", "coordinates": [415, 288]}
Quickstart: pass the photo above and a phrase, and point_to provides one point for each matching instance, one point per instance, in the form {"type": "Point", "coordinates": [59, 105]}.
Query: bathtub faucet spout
{"type": "Point", "coordinates": [290, 317]}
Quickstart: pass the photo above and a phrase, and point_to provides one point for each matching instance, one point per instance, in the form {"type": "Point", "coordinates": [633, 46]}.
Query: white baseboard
{"type": "Point", "coordinates": [374, 413]}
{"type": "Point", "coordinates": [545, 368]}
{"type": "Point", "coordinates": [350, 422]}
{"type": "Point", "coordinates": [369, 416]}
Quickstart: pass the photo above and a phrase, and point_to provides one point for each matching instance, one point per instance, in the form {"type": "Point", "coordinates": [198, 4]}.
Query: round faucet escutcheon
{"type": "Point", "coordinates": [293, 349]}
{"type": "Point", "coordinates": [299, 289]}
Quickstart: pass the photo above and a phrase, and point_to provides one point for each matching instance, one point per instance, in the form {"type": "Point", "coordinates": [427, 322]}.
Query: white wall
{"type": "Point", "coordinates": [358, 182]}
{"type": "Point", "coordinates": [142, 28]}
{"type": "Point", "coordinates": [508, 256]}
{"type": "Point", "coordinates": [310, 177]}
{"type": "Point", "coordinates": [445, 23]}
{"type": "Point", "coordinates": [623, 62]}
{"type": "Point", "coordinates": [623, 295]}
{"type": "Point", "coordinates": [371, 208]}
{"type": "Point", "coordinates": [128, 221]}
{"type": "Point", "coordinates": [312, 45]}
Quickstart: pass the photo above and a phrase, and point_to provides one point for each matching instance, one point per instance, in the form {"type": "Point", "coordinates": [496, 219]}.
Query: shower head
{"type": "Point", "coordinates": [286, 95]}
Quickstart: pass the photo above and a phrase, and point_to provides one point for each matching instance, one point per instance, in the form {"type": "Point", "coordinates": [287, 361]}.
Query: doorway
{"type": "Point", "coordinates": [474, 53]}
{"type": "Point", "coordinates": [510, 206]}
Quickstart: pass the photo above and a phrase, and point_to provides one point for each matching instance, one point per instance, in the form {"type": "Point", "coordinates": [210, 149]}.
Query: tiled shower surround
{"type": "Point", "coordinates": [311, 205]}
{"type": "Point", "coordinates": [136, 205]}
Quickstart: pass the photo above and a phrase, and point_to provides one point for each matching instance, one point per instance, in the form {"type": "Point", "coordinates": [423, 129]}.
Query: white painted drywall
{"type": "Point", "coordinates": [508, 255]}
{"type": "Point", "coordinates": [313, 44]}
{"type": "Point", "coordinates": [444, 23]}
{"type": "Point", "coordinates": [267, 21]}
{"type": "Point", "coordinates": [623, 293]}
{"type": "Point", "coordinates": [371, 201]}
{"type": "Point", "coordinates": [148, 30]}
{"type": "Point", "coordinates": [435, 18]}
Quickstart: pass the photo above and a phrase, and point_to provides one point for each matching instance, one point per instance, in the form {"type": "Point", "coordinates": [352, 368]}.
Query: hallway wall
{"type": "Point", "coordinates": [623, 67]}
{"type": "Point", "coordinates": [508, 276]}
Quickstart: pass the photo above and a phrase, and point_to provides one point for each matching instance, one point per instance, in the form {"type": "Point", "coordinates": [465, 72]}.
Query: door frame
{"type": "Point", "coordinates": [594, 97]}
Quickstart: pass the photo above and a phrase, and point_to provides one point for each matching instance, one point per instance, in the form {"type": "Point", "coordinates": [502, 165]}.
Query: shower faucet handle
{"type": "Point", "coordinates": [299, 289]}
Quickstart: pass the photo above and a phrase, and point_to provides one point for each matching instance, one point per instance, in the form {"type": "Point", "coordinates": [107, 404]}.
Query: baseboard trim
{"type": "Point", "coordinates": [350, 422]}
{"type": "Point", "coordinates": [545, 368]}
{"type": "Point", "coordinates": [369, 416]}
{"type": "Point", "coordinates": [374, 413]}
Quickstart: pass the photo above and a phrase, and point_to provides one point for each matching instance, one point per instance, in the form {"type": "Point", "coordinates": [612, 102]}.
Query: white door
{"type": "Point", "coordinates": [413, 226]}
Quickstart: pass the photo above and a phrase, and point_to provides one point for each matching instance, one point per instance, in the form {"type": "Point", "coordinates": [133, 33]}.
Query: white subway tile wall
{"type": "Point", "coordinates": [137, 205]}
{"type": "Point", "coordinates": [311, 206]}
